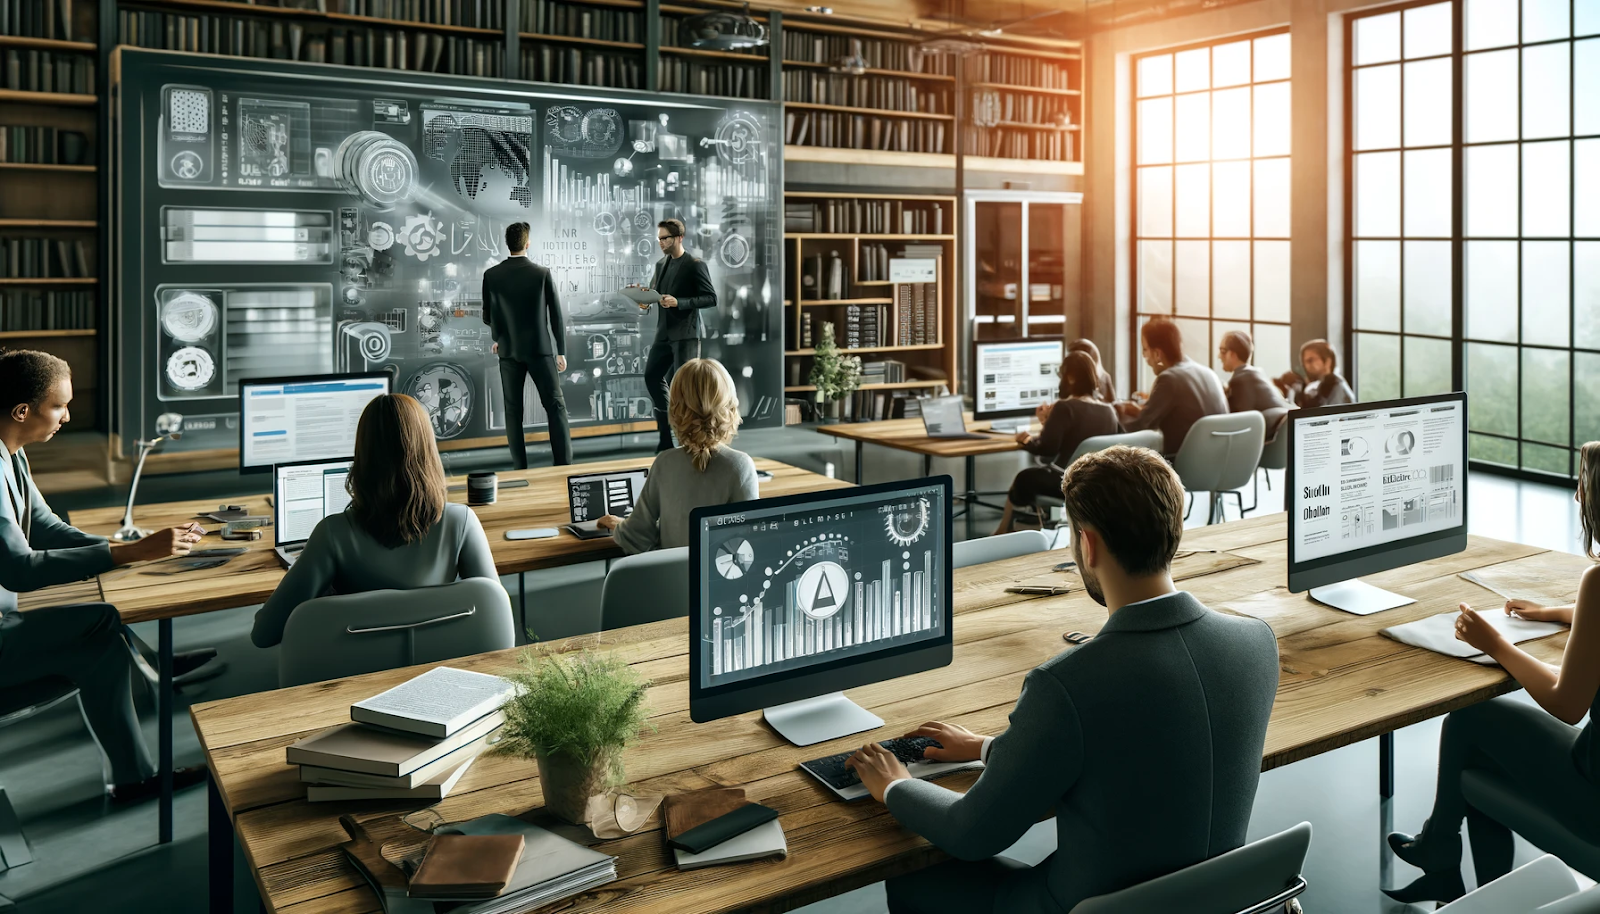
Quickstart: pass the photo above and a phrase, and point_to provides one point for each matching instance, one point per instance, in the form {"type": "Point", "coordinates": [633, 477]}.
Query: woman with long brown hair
{"type": "Point", "coordinates": [398, 532]}
{"type": "Point", "coordinates": [1552, 763]}
{"type": "Point", "coordinates": [1076, 416]}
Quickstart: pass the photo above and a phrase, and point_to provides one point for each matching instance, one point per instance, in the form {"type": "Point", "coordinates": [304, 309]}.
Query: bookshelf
{"type": "Point", "coordinates": [50, 85]}
{"type": "Point", "coordinates": [739, 73]}
{"type": "Point", "coordinates": [1024, 104]}
{"type": "Point", "coordinates": [864, 89]}
{"type": "Point", "coordinates": [837, 251]}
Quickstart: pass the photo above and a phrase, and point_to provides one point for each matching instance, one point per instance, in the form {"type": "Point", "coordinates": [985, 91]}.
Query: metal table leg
{"type": "Point", "coordinates": [164, 709]}
{"type": "Point", "coordinates": [972, 490]}
{"type": "Point", "coordinates": [219, 849]}
{"type": "Point", "coordinates": [859, 446]}
{"type": "Point", "coordinates": [1386, 765]}
{"type": "Point", "coordinates": [927, 464]}
{"type": "Point", "coordinates": [522, 600]}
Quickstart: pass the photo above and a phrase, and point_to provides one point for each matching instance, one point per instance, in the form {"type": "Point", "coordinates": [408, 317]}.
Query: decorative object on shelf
{"type": "Point", "coordinates": [834, 374]}
{"type": "Point", "coordinates": [835, 276]}
{"type": "Point", "coordinates": [985, 108]}
{"type": "Point", "coordinates": [853, 63]}
{"type": "Point", "coordinates": [574, 715]}
{"type": "Point", "coordinates": [724, 30]}
{"type": "Point", "coordinates": [169, 426]}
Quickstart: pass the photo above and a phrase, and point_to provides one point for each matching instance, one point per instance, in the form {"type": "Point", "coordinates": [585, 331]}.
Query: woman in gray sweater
{"type": "Point", "coordinates": [702, 470]}
{"type": "Point", "coordinates": [398, 532]}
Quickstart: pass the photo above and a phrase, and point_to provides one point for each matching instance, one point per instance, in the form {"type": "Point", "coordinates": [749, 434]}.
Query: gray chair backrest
{"type": "Point", "coordinates": [1531, 887]}
{"type": "Point", "coordinates": [1275, 453]}
{"type": "Point", "coordinates": [348, 634]}
{"type": "Point", "coordinates": [1585, 902]}
{"type": "Point", "coordinates": [1239, 881]}
{"type": "Point", "coordinates": [647, 587]}
{"type": "Point", "coordinates": [1221, 452]}
{"type": "Point", "coordinates": [1149, 438]}
{"type": "Point", "coordinates": [995, 548]}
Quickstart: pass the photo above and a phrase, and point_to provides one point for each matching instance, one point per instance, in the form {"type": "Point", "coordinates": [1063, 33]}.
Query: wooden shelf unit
{"type": "Point", "coordinates": [70, 99]}
{"type": "Point", "coordinates": [43, 334]}
{"type": "Point", "coordinates": [39, 166]}
{"type": "Point", "coordinates": [1020, 92]}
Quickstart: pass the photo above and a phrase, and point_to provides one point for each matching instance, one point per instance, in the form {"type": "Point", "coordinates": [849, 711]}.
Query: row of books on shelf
{"type": "Point", "coordinates": [24, 310]}
{"type": "Point", "coordinates": [862, 131]}
{"type": "Point", "coordinates": [1010, 143]}
{"type": "Point", "coordinates": [866, 326]}
{"type": "Point", "coordinates": [693, 77]}
{"type": "Point", "coordinates": [46, 71]}
{"type": "Point", "coordinates": [43, 258]}
{"type": "Point", "coordinates": [852, 215]}
{"type": "Point", "coordinates": [552, 64]}
{"type": "Point", "coordinates": [37, 18]}
{"type": "Point", "coordinates": [918, 314]}
{"type": "Point", "coordinates": [549, 18]}
{"type": "Point", "coordinates": [892, 93]}
{"type": "Point", "coordinates": [476, 14]}
{"type": "Point", "coordinates": [1019, 70]}
{"type": "Point", "coordinates": [878, 405]}
{"type": "Point", "coordinates": [393, 49]}
{"type": "Point", "coordinates": [1023, 107]}
{"type": "Point", "coordinates": [879, 53]}
{"type": "Point", "coordinates": [44, 146]}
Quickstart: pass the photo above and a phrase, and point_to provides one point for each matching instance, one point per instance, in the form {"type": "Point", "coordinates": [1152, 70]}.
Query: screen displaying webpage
{"type": "Point", "coordinates": [314, 419]}
{"type": "Point", "coordinates": [593, 497]}
{"type": "Point", "coordinates": [1016, 376]}
{"type": "Point", "coordinates": [307, 494]}
{"type": "Point", "coordinates": [792, 587]}
{"type": "Point", "coordinates": [1376, 476]}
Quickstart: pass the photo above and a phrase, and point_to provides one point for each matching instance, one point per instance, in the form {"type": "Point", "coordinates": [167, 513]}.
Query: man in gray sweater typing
{"type": "Point", "coordinates": [1145, 742]}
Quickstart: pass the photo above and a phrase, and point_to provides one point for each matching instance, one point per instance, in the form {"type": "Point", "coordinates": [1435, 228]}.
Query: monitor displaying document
{"type": "Point", "coordinates": [289, 420]}
{"type": "Point", "coordinates": [591, 496]}
{"type": "Point", "coordinates": [304, 493]}
{"type": "Point", "coordinates": [1014, 378]}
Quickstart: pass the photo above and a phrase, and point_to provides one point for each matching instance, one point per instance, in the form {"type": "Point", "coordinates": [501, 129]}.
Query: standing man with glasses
{"type": "Point", "coordinates": [685, 287]}
{"type": "Point", "coordinates": [523, 312]}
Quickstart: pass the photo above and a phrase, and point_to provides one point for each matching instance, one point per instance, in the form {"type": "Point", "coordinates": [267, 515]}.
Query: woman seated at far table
{"type": "Point", "coordinates": [397, 533]}
{"type": "Point", "coordinates": [703, 408]}
{"type": "Point", "coordinates": [1078, 416]}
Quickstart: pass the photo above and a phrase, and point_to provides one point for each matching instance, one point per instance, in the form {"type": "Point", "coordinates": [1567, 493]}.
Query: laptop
{"type": "Point", "coordinates": [942, 418]}
{"type": "Point", "coordinates": [591, 496]}
{"type": "Point", "coordinates": [303, 493]}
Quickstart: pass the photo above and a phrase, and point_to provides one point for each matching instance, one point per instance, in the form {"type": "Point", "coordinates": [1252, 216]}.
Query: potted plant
{"type": "Point", "coordinates": [835, 375]}
{"type": "Point", "coordinates": [574, 714]}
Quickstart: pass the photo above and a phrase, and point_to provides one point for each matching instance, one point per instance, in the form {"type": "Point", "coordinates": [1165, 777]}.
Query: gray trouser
{"type": "Point", "coordinates": [1528, 747]}
{"type": "Point", "coordinates": [82, 643]}
{"type": "Point", "coordinates": [994, 886]}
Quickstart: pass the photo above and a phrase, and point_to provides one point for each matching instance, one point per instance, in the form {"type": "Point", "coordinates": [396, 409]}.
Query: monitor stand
{"type": "Point", "coordinates": [1358, 597]}
{"type": "Point", "coordinates": [1011, 426]}
{"type": "Point", "coordinates": [819, 719]}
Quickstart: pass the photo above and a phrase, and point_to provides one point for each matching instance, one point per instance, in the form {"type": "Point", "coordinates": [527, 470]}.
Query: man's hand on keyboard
{"type": "Point", "coordinates": [956, 744]}
{"type": "Point", "coordinates": [877, 767]}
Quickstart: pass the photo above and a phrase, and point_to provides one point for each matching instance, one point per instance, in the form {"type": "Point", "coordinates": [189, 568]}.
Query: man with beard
{"type": "Point", "coordinates": [1145, 742]}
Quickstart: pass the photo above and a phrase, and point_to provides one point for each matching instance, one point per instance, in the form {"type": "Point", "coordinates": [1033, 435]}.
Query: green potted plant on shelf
{"type": "Point", "coordinates": [574, 714]}
{"type": "Point", "coordinates": [834, 374]}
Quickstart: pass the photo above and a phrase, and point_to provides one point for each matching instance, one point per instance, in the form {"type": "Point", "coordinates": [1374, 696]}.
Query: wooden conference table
{"type": "Point", "coordinates": [250, 578]}
{"type": "Point", "coordinates": [1341, 682]}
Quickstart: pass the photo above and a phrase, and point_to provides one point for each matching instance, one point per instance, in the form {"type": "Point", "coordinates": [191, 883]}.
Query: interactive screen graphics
{"type": "Point", "coordinates": [289, 420]}
{"type": "Point", "coordinates": [1015, 378]}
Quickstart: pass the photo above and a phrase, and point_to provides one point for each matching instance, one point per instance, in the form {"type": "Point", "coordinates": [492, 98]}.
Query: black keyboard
{"type": "Point", "coordinates": [843, 781]}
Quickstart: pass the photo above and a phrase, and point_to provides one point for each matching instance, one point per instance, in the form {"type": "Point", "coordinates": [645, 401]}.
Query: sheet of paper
{"type": "Point", "coordinates": [641, 296]}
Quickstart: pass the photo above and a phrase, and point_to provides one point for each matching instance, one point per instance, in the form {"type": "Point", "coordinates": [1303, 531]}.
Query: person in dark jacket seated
{"type": "Point", "coordinates": [1145, 743]}
{"type": "Point", "coordinates": [1184, 389]}
{"type": "Point", "coordinates": [1074, 418]}
{"type": "Point", "coordinates": [1322, 385]}
{"type": "Point", "coordinates": [1250, 389]}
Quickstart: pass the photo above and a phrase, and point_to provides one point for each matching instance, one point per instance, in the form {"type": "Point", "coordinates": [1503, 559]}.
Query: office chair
{"type": "Point", "coordinates": [348, 634]}
{"type": "Point", "coordinates": [1527, 889]}
{"type": "Point", "coordinates": [995, 548]}
{"type": "Point", "coordinates": [1149, 438]}
{"type": "Point", "coordinates": [1260, 878]}
{"type": "Point", "coordinates": [1219, 455]}
{"type": "Point", "coordinates": [647, 587]}
{"type": "Point", "coordinates": [19, 703]}
{"type": "Point", "coordinates": [1501, 799]}
{"type": "Point", "coordinates": [1274, 454]}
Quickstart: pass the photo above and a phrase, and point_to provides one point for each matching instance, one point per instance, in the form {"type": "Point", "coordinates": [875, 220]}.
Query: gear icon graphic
{"type": "Point", "coordinates": [421, 236]}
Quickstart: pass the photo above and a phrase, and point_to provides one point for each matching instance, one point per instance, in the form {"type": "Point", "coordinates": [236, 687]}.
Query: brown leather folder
{"type": "Point", "coordinates": [697, 807]}
{"type": "Point", "coordinates": [467, 866]}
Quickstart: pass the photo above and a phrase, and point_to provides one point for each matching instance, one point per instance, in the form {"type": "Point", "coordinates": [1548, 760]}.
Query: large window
{"type": "Point", "coordinates": [1509, 240]}
{"type": "Point", "coordinates": [1211, 195]}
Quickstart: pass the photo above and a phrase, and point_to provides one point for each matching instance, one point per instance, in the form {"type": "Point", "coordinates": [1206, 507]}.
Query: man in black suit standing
{"type": "Point", "coordinates": [685, 287]}
{"type": "Point", "coordinates": [530, 336]}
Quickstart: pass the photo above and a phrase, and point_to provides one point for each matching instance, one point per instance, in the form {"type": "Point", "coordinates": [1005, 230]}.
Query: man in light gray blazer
{"type": "Point", "coordinates": [1250, 390]}
{"type": "Point", "coordinates": [81, 642]}
{"type": "Point", "coordinates": [1145, 742]}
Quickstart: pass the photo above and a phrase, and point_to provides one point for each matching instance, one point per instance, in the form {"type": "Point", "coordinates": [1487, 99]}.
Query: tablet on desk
{"type": "Point", "coordinates": [535, 533]}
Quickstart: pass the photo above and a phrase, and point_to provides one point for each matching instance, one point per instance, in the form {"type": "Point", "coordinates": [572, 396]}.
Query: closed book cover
{"type": "Point", "coordinates": [312, 774]}
{"type": "Point", "coordinates": [551, 867]}
{"type": "Point", "coordinates": [438, 703]}
{"type": "Point", "coordinates": [466, 866]}
{"type": "Point", "coordinates": [684, 811]}
{"type": "Point", "coordinates": [373, 750]}
{"type": "Point", "coordinates": [762, 841]}
{"type": "Point", "coordinates": [434, 789]}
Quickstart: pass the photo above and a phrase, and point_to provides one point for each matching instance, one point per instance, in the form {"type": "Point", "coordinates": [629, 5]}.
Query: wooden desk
{"type": "Point", "coordinates": [911, 435]}
{"type": "Point", "coordinates": [1341, 682]}
{"type": "Point", "coordinates": [250, 578]}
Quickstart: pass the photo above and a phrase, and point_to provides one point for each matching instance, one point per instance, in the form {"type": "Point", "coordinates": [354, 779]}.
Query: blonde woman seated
{"type": "Point", "coordinates": [398, 532]}
{"type": "Point", "coordinates": [702, 470]}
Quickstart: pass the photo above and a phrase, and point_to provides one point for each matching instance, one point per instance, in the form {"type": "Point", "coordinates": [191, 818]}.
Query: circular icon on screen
{"type": "Point", "coordinates": [187, 165]}
{"type": "Point", "coordinates": [822, 590]}
{"type": "Point", "coordinates": [734, 558]}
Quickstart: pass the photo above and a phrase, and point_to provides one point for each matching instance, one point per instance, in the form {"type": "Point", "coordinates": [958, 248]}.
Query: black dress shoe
{"type": "Point", "coordinates": [1428, 856]}
{"type": "Point", "coordinates": [1442, 887]}
{"type": "Point", "coordinates": [151, 786]}
{"type": "Point", "coordinates": [189, 661]}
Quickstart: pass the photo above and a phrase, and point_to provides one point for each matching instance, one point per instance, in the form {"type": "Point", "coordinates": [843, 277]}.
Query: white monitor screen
{"type": "Point", "coordinates": [289, 420]}
{"type": "Point", "coordinates": [595, 495]}
{"type": "Point", "coordinates": [1372, 477]}
{"type": "Point", "coordinates": [1015, 378]}
{"type": "Point", "coordinates": [305, 493]}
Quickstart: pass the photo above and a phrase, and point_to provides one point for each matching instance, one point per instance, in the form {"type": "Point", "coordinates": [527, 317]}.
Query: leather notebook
{"type": "Point", "coordinates": [684, 811]}
{"type": "Point", "coordinates": [467, 866]}
{"type": "Point", "coordinates": [703, 819]}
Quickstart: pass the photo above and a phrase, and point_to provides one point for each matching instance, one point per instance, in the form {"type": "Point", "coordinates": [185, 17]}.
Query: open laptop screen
{"type": "Point", "coordinates": [942, 416]}
{"type": "Point", "coordinates": [304, 493]}
{"type": "Point", "coordinates": [594, 495]}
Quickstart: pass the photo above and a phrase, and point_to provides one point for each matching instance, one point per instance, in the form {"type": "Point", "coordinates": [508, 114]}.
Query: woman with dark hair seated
{"type": "Point", "coordinates": [1076, 417]}
{"type": "Point", "coordinates": [1105, 391]}
{"type": "Point", "coordinates": [397, 533]}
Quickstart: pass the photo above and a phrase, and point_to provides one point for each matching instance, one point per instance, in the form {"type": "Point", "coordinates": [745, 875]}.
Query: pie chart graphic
{"type": "Point", "coordinates": [734, 558]}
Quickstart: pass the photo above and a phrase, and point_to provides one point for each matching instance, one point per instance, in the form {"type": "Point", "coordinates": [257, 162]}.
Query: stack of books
{"type": "Point", "coordinates": [413, 742]}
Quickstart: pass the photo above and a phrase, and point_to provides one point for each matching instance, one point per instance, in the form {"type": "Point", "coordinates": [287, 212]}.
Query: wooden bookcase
{"type": "Point", "coordinates": [929, 357]}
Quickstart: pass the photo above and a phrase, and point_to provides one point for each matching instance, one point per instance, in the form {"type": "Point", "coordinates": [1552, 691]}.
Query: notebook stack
{"type": "Point", "coordinates": [718, 825]}
{"type": "Point", "coordinates": [413, 742]}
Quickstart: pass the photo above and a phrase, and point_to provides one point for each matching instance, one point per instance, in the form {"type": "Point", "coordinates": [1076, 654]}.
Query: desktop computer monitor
{"type": "Point", "coordinates": [1014, 378]}
{"type": "Point", "coordinates": [292, 420]}
{"type": "Point", "coordinates": [795, 599]}
{"type": "Point", "coordinates": [1370, 487]}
